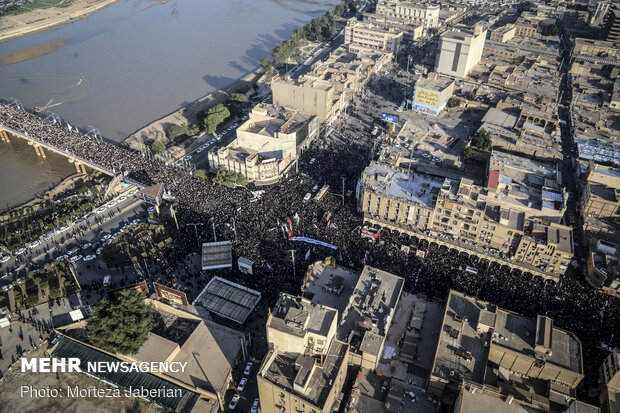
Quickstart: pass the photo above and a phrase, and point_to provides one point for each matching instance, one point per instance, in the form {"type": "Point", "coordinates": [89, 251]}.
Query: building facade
{"type": "Point", "coordinates": [425, 14]}
{"type": "Point", "coordinates": [363, 36]}
{"type": "Point", "coordinates": [431, 94]}
{"type": "Point", "coordinates": [460, 51]}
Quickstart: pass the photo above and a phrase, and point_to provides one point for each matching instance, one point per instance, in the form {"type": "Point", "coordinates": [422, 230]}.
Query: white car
{"type": "Point", "coordinates": [7, 287]}
{"type": "Point", "coordinates": [98, 252]}
{"type": "Point", "coordinates": [187, 157]}
{"type": "Point", "coordinates": [34, 244]}
{"type": "Point", "coordinates": [244, 117]}
{"type": "Point", "coordinates": [106, 237]}
{"type": "Point", "coordinates": [76, 258]}
{"type": "Point", "coordinates": [87, 245]}
{"type": "Point", "coordinates": [151, 210]}
{"type": "Point", "coordinates": [199, 149]}
{"type": "Point", "coordinates": [19, 251]}
{"type": "Point", "coordinates": [248, 368]}
{"type": "Point", "coordinates": [255, 406]}
{"type": "Point", "coordinates": [62, 257]}
{"type": "Point", "coordinates": [242, 384]}
{"type": "Point", "coordinates": [233, 402]}
{"type": "Point", "coordinates": [5, 258]}
{"type": "Point", "coordinates": [73, 251]}
{"type": "Point", "coordinates": [121, 199]}
{"type": "Point", "coordinates": [111, 204]}
{"type": "Point", "coordinates": [135, 221]}
{"type": "Point", "coordinates": [63, 228]}
{"type": "Point", "coordinates": [90, 257]}
{"type": "Point", "coordinates": [47, 236]}
{"type": "Point", "coordinates": [101, 210]}
{"type": "Point", "coordinates": [116, 234]}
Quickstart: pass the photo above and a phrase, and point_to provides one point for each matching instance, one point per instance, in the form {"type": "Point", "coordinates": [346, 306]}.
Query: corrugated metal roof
{"type": "Point", "coordinates": [69, 348]}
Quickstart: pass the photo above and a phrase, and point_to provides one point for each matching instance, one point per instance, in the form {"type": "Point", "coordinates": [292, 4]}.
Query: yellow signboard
{"type": "Point", "coordinates": [427, 97]}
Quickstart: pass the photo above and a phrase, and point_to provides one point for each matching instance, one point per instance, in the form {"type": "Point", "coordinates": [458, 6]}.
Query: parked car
{"type": "Point", "coordinates": [248, 368]}
{"type": "Point", "coordinates": [187, 157]}
{"type": "Point", "coordinates": [233, 402]}
{"type": "Point", "coordinates": [19, 251]}
{"type": "Point", "coordinates": [87, 245]}
{"type": "Point", "coordinates": [90, 257]}
{"type": "Point", "coordinates": [255, 406]}
{"type": "Point", "coordinates": [73, 251]}
{"type": "Point", "coordinates": [242, 384]}
{"type": "Point", "coordinates": [62, 257]}
{"type": "Point", "coordinates": [76, 258]}
{"type": "Point", "coordinates": [151, 210]}
{"type": "Point", "coordinates": [34, 244]}
{"type": "Point", "coordinates": [7, 287]}
{"type": "Point", "coordinates": [63, 228]}
{"type": "Point", "coordinates": [98, 252]}
{"type": "Point", "coordinates": [101, 210]}
{"type": "Point", "coordinates": [5, 258]}
{"type": "Point", "coordinates": [122, 198]}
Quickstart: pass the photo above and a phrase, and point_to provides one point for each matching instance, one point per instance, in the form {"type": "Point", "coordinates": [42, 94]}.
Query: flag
{"type": "Point", "coordinates": [307, 255]}
{"type": "Point", "coordinates": [290, 223]}
{"type": "Point", "coordinates": [69, 126]}
{"type": "Point", "coordinates": [296, 218]}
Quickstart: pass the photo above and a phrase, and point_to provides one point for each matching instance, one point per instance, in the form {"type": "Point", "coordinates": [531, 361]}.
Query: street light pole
{"type": "Point", "coordinates": [293, 260]}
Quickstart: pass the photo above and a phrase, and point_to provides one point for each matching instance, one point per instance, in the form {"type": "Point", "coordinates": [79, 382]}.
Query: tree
{"type": "Point", "coordinates": [200, 173]}
{"type": "Point", "coordinates": [352, 8]}
{"type": "Point", "coordinates": [122, 326]}
{"type": "Point", "coordinates": [482, 140]}
{"type": "Point", "coordinates": [467, 153]}
{"type": "Point", "coordinates": [238, 97]}
{"type": "Point", "coordinates": [434, 31]}
{"type": "Point", "coordinates": [32, 299]}
{"type": "Point", "coordinates": [539, 99]}
{"type": "Point", "coordinates": [176, 131]}
{"type": "Point", "coordinates": [471, 95]}
{"type": "Point", "coordinates": [215, 116]}
{"type": "Point", "coordinates": [158, 147]}
{"type": "Point", "coordinates": [454, 102]}
{"type": "Point", "coordinates": [550, 30]}
{"type": "Point", "coordinates": [54, 292]}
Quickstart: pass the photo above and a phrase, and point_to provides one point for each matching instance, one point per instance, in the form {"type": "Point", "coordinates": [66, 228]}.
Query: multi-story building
{"type": "Point", "coordinates": [411, 30]}
{"type": "Point", "coordinates": [596, 48]}
{"type": "Point", "coordinates": [363, 36]}
{"type": "Point", "coordinates": [601, 195]}
{"type": "Point", "coordinates": [309, 95]}
{"type": "Point", "coordinates": [609, 378]}
{"type": "Point", "coordinates": [425, 14]}
{"type": "Point", "coordinates": [266, 144]}
{"type": "Point", "coordinates": [612, 27]}
{"type": "Point", "coordinates": [432, 93]}
{"type": "Point", "coordinates": [529, 359]}
{"type": "Point", "coordinates": [459, 51]}
{"type": "Point", "coordinates": [525, 27]}
{"type": "Point", "coordinates": [503, 34]}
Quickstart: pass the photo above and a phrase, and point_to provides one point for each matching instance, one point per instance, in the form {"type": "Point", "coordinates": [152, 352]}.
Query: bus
{"type": "Point", "coordinates": [471, 270]}
{"type": "Point", "coordinates": [319, 195]}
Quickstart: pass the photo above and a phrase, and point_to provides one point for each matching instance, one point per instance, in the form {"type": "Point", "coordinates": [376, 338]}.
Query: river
{"type": "Point", "coordinates": [138, 65]}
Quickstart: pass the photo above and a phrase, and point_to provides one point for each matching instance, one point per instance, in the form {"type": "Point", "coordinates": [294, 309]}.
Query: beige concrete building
{"type": "Point", "coordinates": [529, 359]}
{"type": "Point", "coordinates": [525, 27]}
{"type": "Point", "coordinates": [267, 144]}
{"type": "Point", "coordinates": [432, 93]}
{"type": "Point", "coordinates": [309, 95]}
{"type": "Point", "coordinates": [425, 14]}
{"type": "Point", "coordinates": [596, 48]}
{"type": "Point", "coordinates": [297, 326]}
{"type": "Point", "coordinates": [503, 34]}
{"type": "Point", "coordinates": [609, 378]}
{"type": "Point", "coordinates": [411, 30]}
{"type": "Point", "coordinates": [460, 51]}
{"type": "Point", "coordinates": [363, 36]}
{"type": "Point", "coordinates": [601, 195]}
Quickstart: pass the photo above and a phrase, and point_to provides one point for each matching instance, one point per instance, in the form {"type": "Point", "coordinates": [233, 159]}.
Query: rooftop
{"type": "Point", "coordinates": [228, 299]}
{"type": "Point", "coordinates": [296, 315]}
{"type": "Point", "coordinates": [410, 187]}
{"type": "Point", "coordinates": [434, 82]}
{"type": "Point", "coordinates": [302, 372]}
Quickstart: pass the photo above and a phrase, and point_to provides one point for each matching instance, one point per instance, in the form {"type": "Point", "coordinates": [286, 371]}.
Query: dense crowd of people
{"type": "Point", "coordinates": [260, 226]}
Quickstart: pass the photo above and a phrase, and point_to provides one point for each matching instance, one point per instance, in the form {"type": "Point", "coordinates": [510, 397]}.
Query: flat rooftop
{"type": "Point", "coordinates": [296, 316]}
{"type": "Point", "coordinates": [328, 285]}
{"type": "Point", "coordinates": [228, 299]}
{"type": "Point", "coordinates": [411, 187]}
{"type": "Point", "coordinates": [519, 168]}
{"type": "Point", "coordinates": [434, 82]}
{"type": "Point", "coordinates": [282, 370]}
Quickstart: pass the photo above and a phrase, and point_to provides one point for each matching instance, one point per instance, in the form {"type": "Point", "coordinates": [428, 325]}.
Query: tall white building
{"type": "Point", "coordinates": [459, 51]}
{"type": "Point", "coordinates": [425, 14]}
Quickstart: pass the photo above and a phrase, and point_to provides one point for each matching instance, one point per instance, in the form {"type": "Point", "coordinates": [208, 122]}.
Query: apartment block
{"type": "Point", "coordinates": [309, 95]}
{"type": "Point", "coordinates": [363, 36]}
{"type": "Point", "coordinates": [609, 378]}
{"type": "Point", "coordinates": [527, 359]}
{"type": "Point", "coordinates": [459, 51]}
{"type": "Point", "coordinates": [503, 34]}
{"type": "Point", "coordinates": [425, 14]}
{"type": "Point", "coordinates": [432, 93]}
{"type": "Point", "coordinates": [267, 144]}
{"type": "Point", "coordinates": [612, 28]}
{"type": "Point", "coordinates": [411, 30]}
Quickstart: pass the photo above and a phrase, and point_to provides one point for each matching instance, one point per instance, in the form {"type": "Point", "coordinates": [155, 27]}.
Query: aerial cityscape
{"type": "Point", "coordinates": [310, 206]}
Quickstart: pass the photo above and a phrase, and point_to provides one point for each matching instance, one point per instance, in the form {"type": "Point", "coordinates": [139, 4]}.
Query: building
{"type": "Point", "coordinates": [297, 326]}
{"type": "Point", "coordinates": [431, 94]}
{"type": "Point", "coordinates": [411, 31]}
{"type": "Point", "coordinates": [596, 48]}
{"type": "Point", "coordinates": [364, 36]}
{"type": "Point", "coordinates": [612, 27]}
{"type": "Point", "coordinates": [301, 383]}
{"type": "Point", "coordinates": [459, 51]}
{"type": "Point", "coordinates": [267, 144]}
{"type": "Point", "coordinates": [528, 359]}
{"type": "Point", "coordinates": [503, 34]}
{"type": "Point", "coordinates": [425, 14]}
{"type": "Point", "coordinates": [526, 27]}
{"type": "Point", "coordinates": [609, 378]}
{"type": "Point", "coordinates": [309, 96]}
{"type": "Point", "coordinates": [601, 195]}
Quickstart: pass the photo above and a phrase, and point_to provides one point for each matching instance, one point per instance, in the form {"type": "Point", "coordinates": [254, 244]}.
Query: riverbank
{"type": "Point", "coordinates": [18, 25]}
{"type": "Point", "coordinates": [31, 52]}
{"type": "Point", "coordinates": [188, 114]}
